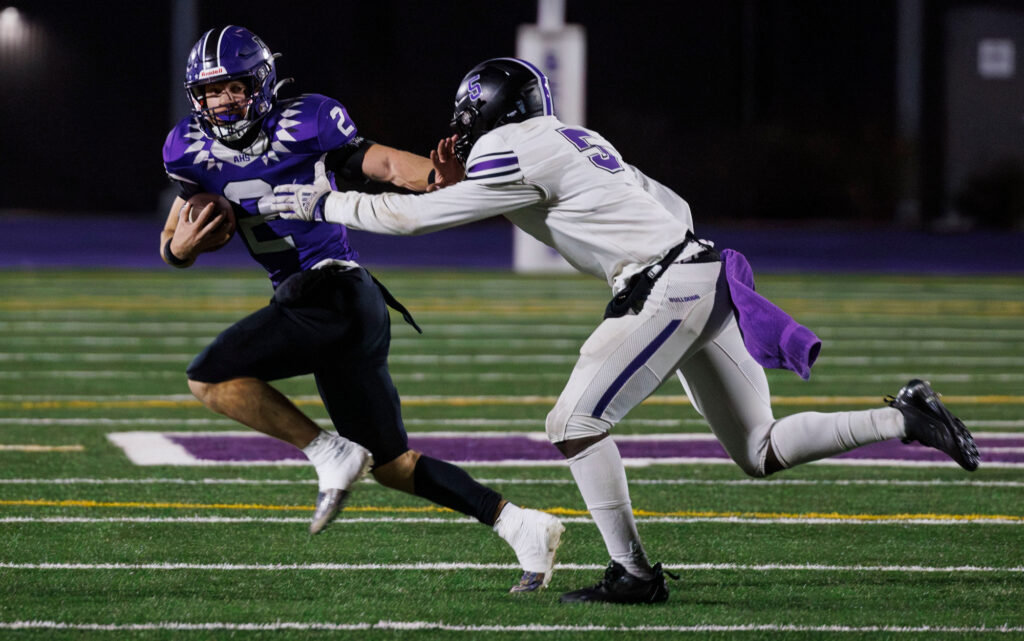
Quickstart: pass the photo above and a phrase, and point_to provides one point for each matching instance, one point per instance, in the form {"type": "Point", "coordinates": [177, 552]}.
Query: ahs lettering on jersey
{"type": "Point", "coordinates": [294, 135]}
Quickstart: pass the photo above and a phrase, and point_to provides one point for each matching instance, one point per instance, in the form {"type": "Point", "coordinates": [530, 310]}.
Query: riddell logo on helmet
{"type": "Point", "coordinates": [216, 71]}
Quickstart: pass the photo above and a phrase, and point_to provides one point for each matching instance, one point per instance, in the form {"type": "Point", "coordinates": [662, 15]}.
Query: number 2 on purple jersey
{"type": "Point", "coordinates": [602, 159]}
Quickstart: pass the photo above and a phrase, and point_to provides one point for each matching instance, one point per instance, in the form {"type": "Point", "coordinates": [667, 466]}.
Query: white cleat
{"type": "Point", "coordinates": [350, 462]}
{"type": "Point", "coordinates": [534, 536]}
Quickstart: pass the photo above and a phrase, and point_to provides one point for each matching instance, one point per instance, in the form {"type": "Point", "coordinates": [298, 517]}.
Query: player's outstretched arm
{"type": "Point", "coordinates": [409, 171]}
{"type": "Point", "coordinates": [399, 214]}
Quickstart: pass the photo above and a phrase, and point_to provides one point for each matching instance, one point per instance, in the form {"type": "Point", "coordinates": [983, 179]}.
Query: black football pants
{"type": "Point", "coordinates": [332, 323]}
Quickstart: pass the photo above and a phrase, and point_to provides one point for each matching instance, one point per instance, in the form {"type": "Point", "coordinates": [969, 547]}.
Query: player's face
{"type": "Point", "coordinates": [227, 100]}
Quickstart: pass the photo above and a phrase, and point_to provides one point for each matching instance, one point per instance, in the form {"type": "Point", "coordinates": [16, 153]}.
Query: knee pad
{"type": "Point", "coordinates": [398, 472]}
{"type": "Point", "coordinates": [555, 424]}
{"type": "Point", "coordinates": [754, 463]}
{"type": "Point", "coordinates": [562, 427]}
{"type": "Point", "coordinates": [753, 471]}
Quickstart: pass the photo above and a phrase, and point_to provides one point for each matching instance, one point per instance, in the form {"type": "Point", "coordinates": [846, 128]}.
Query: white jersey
{"type": "Point", "coordinates": [566, 186]}
{"type": "Point", "coordinates": [569, 188]}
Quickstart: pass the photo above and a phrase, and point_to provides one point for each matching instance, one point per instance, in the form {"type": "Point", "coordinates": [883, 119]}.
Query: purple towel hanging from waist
{"type": "Point", "coordinates": [771, 335]}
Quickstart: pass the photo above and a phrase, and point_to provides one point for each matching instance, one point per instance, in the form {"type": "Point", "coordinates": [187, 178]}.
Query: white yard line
{"type": "Point", "coordinates": [459, 422]}
{"type": "Point", "coordinates": [532, 628]}
{"type": "Point", "coordinates": [536, 423]}
{"type": "Point", "coordinates": [523, 339]}
{"type": "Point", "coordinates": [519, 481]}
{"type": "Point", "coordinates": [491, 399]}
{"type": "Point", "coordinates": [362, 520]}
{"type": "Point", "coordinates": [502, 376]}
{"type": "Point", "coordinates": [498, 330]}
{"type": "Point", "coordinates": [434, 567]}
{"type": "Point", "coordinates": [951, 362]}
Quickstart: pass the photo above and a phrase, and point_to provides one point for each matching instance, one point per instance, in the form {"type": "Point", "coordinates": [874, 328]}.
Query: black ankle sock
{"type": "Point", "coordinates": [450, 486]}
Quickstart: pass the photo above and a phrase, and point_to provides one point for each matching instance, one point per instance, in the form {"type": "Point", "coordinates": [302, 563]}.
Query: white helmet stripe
{"type": "Point", "coordinates": [219, 40]}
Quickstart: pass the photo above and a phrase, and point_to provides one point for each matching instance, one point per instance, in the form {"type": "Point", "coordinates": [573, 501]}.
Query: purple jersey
{"type": "Point", "coordinates": [295, 134]}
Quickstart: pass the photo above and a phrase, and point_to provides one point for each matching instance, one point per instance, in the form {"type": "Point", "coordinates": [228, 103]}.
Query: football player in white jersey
{"type": "Point", "coordinates": [676, 307]}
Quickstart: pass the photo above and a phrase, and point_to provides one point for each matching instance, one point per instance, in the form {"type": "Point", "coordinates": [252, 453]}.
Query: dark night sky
{"type": "Point", "coordinates": [787, 108]}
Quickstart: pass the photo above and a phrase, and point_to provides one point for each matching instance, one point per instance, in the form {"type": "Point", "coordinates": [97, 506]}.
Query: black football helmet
{"type": "Point", "coordinates": [494, 93]}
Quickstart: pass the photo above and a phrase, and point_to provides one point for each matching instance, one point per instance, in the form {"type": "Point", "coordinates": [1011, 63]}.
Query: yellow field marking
{"type": "Point", "coordinates": [475, 401]}
{"type": "Point", "coordinates": [42, 448]}
{"type": "Point", "coordinates": [137, 303]}
{"type": "Point", "coordinates": [560, 511]}
{"type": "Point", "coordinates": [836, 516]}
{"type": "Point", "coordinates": [81, 404]}
{"type": "Point", "coordinates": [693, 514]}
{"type": "Point", "coordinates": [156, 505]}
{"type": "Point", "coordinates": [208, 506]}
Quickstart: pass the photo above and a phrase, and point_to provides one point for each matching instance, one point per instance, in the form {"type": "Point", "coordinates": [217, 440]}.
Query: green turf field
{"type": "Point", "coordinates": [94, 546]}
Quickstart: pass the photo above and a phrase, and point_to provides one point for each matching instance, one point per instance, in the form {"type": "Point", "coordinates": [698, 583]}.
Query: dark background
{"type": "Point", "coordinates": [779, 110]}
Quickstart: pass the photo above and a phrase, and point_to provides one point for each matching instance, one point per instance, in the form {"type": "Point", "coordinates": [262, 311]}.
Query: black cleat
{"type": "Point", "coordinates": [929, 422]}
{"type": "Point", "coordinates": [619, 586]}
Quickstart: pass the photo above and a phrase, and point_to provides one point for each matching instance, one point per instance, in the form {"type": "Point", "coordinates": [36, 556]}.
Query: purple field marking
{"type": "Point", "coordinates": [31, 241]}
{"type": "Point", "coordinates": [520, 448]}
{"type": "Point", "coordinates": [511, 448]}
{"type": "Point", "coordinates": [897, 450]}
{"type": "Point", "coordinates": [237, 448]}
{"type": "Point", "coordinates": [34, 240]}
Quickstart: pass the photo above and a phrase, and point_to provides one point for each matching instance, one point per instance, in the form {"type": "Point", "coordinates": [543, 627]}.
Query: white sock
{"type": "Point", "coordinates": [810, 436]}
{"type": "Point", "coordinates": [507, 520]}
{"type": "Point", "coordinates": [509, 526]}
{"type": "Point", "coordinates": [323, 452]}
{"type": "Point", "coordinates": [602, 481]}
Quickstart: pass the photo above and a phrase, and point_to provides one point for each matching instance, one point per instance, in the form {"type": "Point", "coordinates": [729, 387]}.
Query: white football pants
{"type": "Point", "coordinates": [687, 326]}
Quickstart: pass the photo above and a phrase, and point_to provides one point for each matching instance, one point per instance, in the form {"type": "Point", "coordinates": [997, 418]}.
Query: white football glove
{"type": "Point", "coordinates": [299, 202]}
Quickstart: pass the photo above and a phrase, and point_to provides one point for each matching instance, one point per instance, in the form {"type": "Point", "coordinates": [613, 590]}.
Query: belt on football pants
{"type": "Point", "coordinates": [638, 288]}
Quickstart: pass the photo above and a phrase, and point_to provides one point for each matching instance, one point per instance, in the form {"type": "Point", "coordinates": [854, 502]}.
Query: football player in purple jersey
{"type": "Point", "coordinates": [328, 316]}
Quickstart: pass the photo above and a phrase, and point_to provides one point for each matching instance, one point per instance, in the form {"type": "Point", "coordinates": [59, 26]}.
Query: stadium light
{"type": "Point", "coordinates": [13, 30]}
{"type": "Point", "coordinates": [23, 44]}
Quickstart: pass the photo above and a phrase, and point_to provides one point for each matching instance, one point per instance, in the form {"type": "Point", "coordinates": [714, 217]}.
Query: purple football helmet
{"type": "Point", "coordinates": [231, 53]}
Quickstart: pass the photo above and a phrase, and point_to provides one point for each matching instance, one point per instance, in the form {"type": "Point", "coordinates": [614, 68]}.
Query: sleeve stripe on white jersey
{"type": "Point", "coordinates": [496, 153]}
{"type": "Point", "coordinates": [489, 163]}
{"type": "Point", "coordinates": [510, 172]}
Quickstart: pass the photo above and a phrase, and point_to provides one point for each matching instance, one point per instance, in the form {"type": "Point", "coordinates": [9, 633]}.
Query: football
{"type": "Point", "coordinates": [225, 230]}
